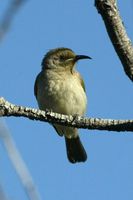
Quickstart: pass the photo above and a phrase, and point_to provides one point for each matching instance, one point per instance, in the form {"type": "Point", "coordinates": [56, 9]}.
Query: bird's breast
{"type": "Point", "coordinates": [61, 93]}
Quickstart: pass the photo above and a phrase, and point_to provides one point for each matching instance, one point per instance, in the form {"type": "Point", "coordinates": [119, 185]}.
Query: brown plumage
{"type": "Point", "coordinates": [60, 88]}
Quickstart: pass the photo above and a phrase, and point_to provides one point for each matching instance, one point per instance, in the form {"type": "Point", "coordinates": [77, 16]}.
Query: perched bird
{"type": "Point", "coordinates": [60, 88]}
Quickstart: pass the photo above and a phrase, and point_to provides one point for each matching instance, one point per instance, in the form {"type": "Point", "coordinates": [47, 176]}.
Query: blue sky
{"type": "Point", "coordinates": [36, 28]}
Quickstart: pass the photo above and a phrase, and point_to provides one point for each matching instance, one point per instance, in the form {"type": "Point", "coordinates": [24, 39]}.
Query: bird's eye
{"type": "Point", "coordinates": [62, 58]}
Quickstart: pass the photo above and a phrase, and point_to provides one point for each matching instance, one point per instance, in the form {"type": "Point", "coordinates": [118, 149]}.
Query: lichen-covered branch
{"type": "Point", "coordinates": [117, 33]}
{"type": "Point", "coordinates": [9, 109]}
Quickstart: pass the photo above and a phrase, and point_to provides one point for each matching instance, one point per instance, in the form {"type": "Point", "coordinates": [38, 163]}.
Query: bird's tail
{"type": "Point", "coordinates": [75, 150]}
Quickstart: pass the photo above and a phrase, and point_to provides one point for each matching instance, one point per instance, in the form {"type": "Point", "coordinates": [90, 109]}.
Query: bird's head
{"type": "Point", "coordinates": [61, 58]}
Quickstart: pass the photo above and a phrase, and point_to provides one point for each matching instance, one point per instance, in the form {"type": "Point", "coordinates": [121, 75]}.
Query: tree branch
{"type": "Point", "coordinates": [8, 109]}
{"type": "Point", "coordinates": [117, 33]}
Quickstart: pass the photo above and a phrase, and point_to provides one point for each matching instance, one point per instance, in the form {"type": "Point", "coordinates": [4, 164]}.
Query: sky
{"type": "Point", "coordinates": [36, 28]}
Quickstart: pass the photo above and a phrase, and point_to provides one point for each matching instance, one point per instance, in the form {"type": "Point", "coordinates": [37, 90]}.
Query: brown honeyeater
{"type": "Point", "coordinates": [60, 88]}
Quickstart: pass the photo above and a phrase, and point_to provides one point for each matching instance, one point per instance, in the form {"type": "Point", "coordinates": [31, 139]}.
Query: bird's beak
{"type": "Point", "coordinates": [79, 57]}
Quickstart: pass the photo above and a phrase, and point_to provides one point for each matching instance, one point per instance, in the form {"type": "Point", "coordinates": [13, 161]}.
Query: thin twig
{"type": "Point", "coordinates": [8, 109]}
{"type": "Point", "coordinates": [18, 163]}
{"type": "Point", "coordinates": [3, 195]}
{"type": "Point", "coordinates": [14, 6]}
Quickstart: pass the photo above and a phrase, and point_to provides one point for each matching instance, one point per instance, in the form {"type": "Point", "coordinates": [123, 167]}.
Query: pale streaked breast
{"type": "Point", "coordinates": [63, 94]}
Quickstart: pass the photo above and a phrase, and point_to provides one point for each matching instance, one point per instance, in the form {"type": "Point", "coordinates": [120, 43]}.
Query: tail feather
{"type": "Point", "coordinates": [75, 150]}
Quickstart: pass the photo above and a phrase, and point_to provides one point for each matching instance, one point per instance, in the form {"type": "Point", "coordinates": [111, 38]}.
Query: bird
{"type": "Point", "coordinates": [61, 89]}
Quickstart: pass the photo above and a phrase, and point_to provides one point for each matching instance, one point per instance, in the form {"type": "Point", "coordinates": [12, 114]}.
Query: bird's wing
{"type": "Point", "coordinates": [35, 85]}
{"type": "Point", "coordinates": [81, 81]}
{"type": "Point", "coordinates": [60, 134]}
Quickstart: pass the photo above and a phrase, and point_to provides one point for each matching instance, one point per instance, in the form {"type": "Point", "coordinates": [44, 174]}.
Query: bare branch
{"type": "Point", "coordinates": [8, 109]}
{"type": "Point", "coordinates": [117, 33]}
